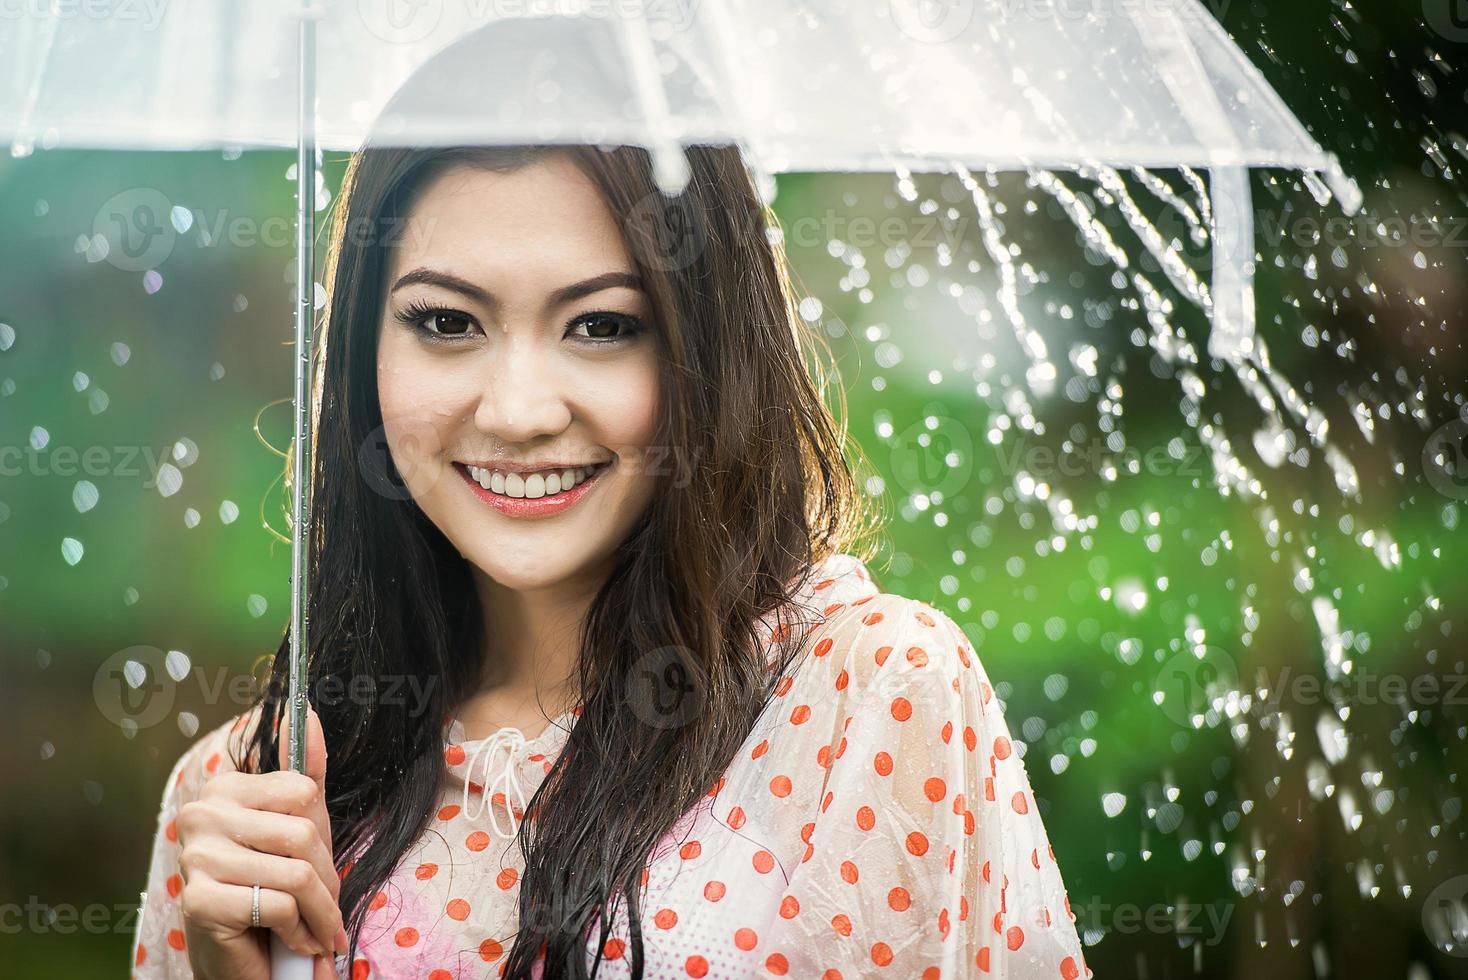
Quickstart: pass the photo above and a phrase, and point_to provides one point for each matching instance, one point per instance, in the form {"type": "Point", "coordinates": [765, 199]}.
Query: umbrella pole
{"type": "Point", "coordinates": [285, 964]}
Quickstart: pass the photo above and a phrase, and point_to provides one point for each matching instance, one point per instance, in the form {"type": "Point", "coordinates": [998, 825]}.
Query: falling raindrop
{"type": "Point", "coordinates": [71, 550]}
{"type": "Point", "coordinates": [229, 512]}
{"type": "Point", "coordinates": [170, 480]}
{"type": "Point", "coordinates": [84, 496]}
{"type": "Point", "coordinates": [256, 605]}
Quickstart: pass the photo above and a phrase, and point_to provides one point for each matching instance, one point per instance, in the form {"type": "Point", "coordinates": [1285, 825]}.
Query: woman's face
{"type": "Point", "coordinates": [516, 349]}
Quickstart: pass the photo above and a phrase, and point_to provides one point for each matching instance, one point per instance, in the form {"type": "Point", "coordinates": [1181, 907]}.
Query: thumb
{"type": "Point", "coordinates": [315, 745]}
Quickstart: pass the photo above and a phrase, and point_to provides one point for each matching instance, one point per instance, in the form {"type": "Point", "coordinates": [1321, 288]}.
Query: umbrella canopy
{"type": "Point", "coordinates": [833, 86]}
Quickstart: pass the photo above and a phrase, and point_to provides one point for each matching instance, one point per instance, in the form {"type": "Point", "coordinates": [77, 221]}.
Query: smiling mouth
{"type": "Point", "coordinates": [530, 486]}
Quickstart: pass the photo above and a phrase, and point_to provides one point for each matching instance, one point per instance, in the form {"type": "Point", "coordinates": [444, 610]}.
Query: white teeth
{"type": "Point", "coordinates": [533, 485]}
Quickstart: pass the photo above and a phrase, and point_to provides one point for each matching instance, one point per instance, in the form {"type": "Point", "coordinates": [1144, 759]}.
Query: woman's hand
{"type": "Point", "coordinates": [267, 829]}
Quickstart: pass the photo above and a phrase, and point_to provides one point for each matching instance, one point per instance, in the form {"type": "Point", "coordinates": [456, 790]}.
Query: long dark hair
{"type": "Point", "coordinates": [759, 489]}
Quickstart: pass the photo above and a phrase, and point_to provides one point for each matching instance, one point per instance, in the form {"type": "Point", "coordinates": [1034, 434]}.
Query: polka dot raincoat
{"type": "Point", "coordinates": [877, 822]}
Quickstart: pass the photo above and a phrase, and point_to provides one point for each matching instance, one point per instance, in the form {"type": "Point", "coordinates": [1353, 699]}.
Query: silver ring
{"type": "Point", "coordinates": [255, 906]}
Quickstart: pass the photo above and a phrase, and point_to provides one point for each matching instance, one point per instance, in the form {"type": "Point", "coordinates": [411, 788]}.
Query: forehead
{"type": "Point", "coordinates": [476, 221]}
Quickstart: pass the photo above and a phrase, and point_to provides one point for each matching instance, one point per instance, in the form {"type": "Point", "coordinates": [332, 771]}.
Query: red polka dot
{"type": "Point", "coordinates": [881, 655]}
{"type": "Point", "coordinates": [454, 754]}
{"type": "Point", "coordinates": [405, 937]}
{"type": "Point", "coordinates": [213, 762]}
{"type": "Point", "coordinates": [760, 749]}
{"type": "Point", "coordinates": [842, 679]}
{"type": "Point", "coordinates": [917, 656]}
{"type": "Point", "coordinates": [831, 974]}
{"type": "Point", "coordinates": [872, 619]}
{"type": "Point", "coordinates": [736, 817]}
{"type": "Point", "coordinates": [866, 818]}
{"type": "Point", "coordinates": [935, 789]}
{"type": "Point", "coordinates": [1020, 804]}
{"type": "Point", "coordinates": [917, 843]}
{"type": "Point", "coordinates": [901, 708]}
{"type": "Point", "coordinates": [1014, 938]}
{"type": "Point", "coordinates": [176, 938]}
{"type": "Point", "coordinates": [1068, 968]}
{"type": "Point", "coordinates": [361, 970]}
{"type": "Point", "coordinates": [490, 950]}
{"type": "Point", "coordinates": [458, 909]}
{"type": "Point", "coordinates": [764, 862]}
{"type": "Point", "coordinates": [780, 786]}
{"type": "Point", "coordinates": [746, 939]}
{"type": "Point", "coordinates": [506, 879]}
{"type": "Point", "coordinates": [614, 949]}
{"type": "Point", "coordinates": [842, 924]}
{"type": "Point", "coordinates": [800, 715]}
{"type": "Point", "coordinates": [899, 899]}
{"type": "Point", "coordinates": [849, 874]}
{"type": "Point", "coordinates": [1002, 748]}
{"type": "Point", "coordinates": [823, 647]}
{"type": "Point", "coordinates": [449, 812]}
{"type": "Point", "coordinates": [713, 891]}
{"type": "Point", "coordinates": [440, 974]}
{"type": "Point", "coordinates": [171, 830]}
{"type": "Point", "coordinates": [789, 907]}
{"type": "Point", "coordinates": [140, 956]}
{"type": "Point", "coordinates": [982, 960]}
{"type": "Point", "coordinates": [777, 964]}
{"type": "Point", "coordinates": [881, 954]}
{"type": "Point", "coordinates": [174, 885]}
{"type": "Point", "coordinates": [666, 918]}
{"type": "Point", "coordinates": [690, 850]}
{"type": "Point", "coordinates": [425, 871]}
{"type": "Point", "coordinates": [970, 739]}
{"type": "Point", "coordinates": [883, 764]}
{"type": "Point", "coordinates": [378, 901]}
{"type": "Point", "coordinates": [477, 841]}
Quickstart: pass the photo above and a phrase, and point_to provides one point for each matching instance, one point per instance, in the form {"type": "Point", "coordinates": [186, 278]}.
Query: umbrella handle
{"type": "Point", "coordinates": [286, 963]}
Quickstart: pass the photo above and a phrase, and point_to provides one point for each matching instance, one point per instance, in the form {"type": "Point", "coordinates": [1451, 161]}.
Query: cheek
{"type": "Point", "coordinates": [416, 413]}
{"type": "Point", "coordinates": [625, 406]}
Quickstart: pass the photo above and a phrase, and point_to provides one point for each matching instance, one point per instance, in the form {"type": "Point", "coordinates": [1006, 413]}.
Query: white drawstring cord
{"type": "Point", "coordinates": [512, 739]}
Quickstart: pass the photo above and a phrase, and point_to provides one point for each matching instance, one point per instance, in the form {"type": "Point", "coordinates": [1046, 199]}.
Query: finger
{"type": "Point", "coordinates": [282, 834]}
{"type": "Point", "coordinates": [315, 747]}
{"type": "Point", "coordinates": [324, 968]}
{"type": "Point", "coordinates": [293, 876]}
{"type": "Point", "coordinates": [225, 908]}
{"type": "Point", "coordinates": [315, 766]}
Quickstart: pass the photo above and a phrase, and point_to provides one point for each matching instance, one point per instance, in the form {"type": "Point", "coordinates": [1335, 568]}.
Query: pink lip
{"type": "Point", "coordinates": [527, 508]}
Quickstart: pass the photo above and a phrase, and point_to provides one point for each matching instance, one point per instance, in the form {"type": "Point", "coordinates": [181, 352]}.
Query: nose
{"type": "Point", "coordinates": [523, 396]}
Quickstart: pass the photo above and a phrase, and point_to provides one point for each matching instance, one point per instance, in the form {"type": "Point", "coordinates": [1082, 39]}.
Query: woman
{"type": "Point", "coordinates": [601, 682]}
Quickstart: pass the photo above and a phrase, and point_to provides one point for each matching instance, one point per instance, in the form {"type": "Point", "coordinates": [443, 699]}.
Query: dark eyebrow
{"type": "Point", "coordinates": [566, 294]}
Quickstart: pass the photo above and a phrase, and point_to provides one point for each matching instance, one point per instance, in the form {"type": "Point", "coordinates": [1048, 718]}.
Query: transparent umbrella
{"type": "Point", "coordinates": [906, 85]}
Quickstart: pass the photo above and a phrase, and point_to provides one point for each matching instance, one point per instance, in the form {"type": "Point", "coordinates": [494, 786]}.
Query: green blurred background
{"type": "Point", "coordinates": [1292, 831]}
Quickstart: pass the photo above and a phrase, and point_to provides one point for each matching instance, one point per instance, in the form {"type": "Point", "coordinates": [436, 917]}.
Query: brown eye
{"type": "Point", "coordinates": [447, 324]}
{"type": "Point", "coordinates": [606, 327]}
